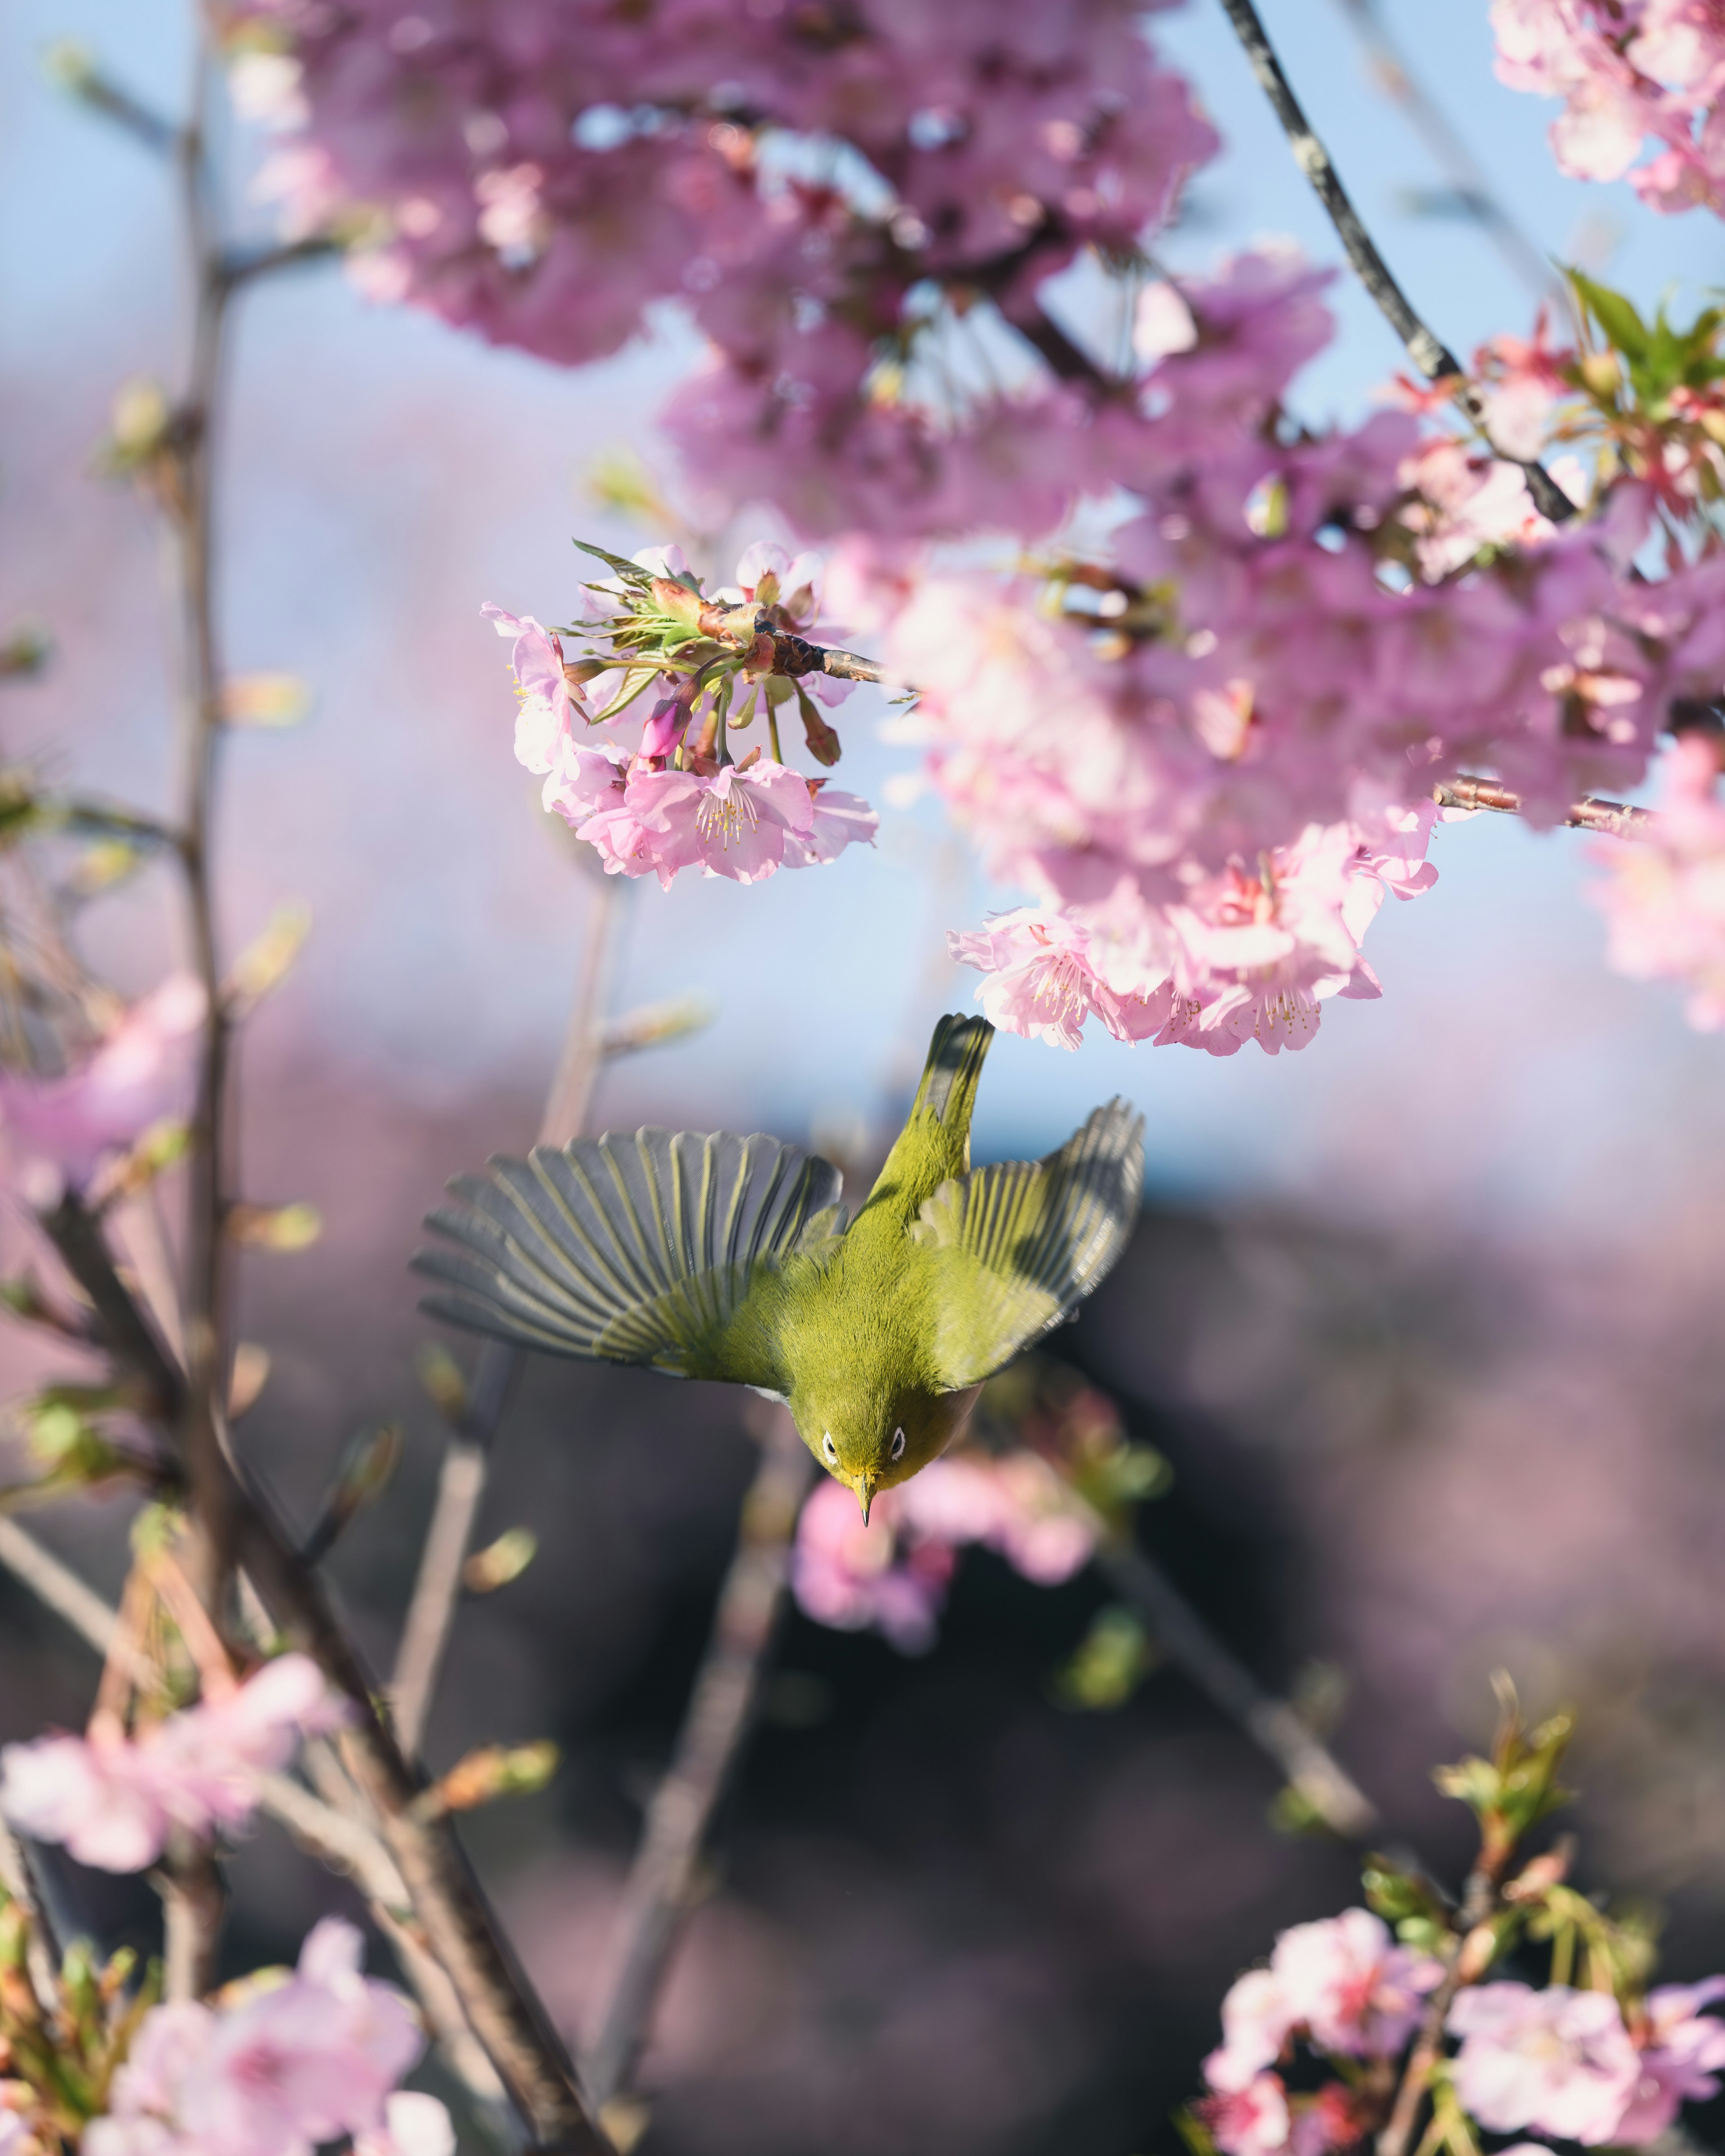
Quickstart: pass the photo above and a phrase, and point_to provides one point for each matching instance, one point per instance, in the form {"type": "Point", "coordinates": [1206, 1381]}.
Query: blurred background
{"type": "Point", "coordinates": [1424, 1319]}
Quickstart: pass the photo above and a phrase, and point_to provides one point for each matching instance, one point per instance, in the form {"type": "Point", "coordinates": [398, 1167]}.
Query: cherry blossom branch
{"type": "Point", "coordinates": [1612, 818]}
{"type": "Point", "coordinates": [329, 1830]}
{"type": "Point", "coordinates": [1429, 353]}
{"type": "Point", "coordinates": [451, 1912]}
{"type": "Point", "coordinates": [1473, 186]}
{"type": "Point", "coordinates": [657, 1895]}
{"type": "Point", "coordinates": [189, 504]}
{"type": "Point", "coordinates": [461, 1485]}
{"type": "Point", "coordinates": [1306, 1762]}
{"type": "Point", "coordinates": [41, 1950]}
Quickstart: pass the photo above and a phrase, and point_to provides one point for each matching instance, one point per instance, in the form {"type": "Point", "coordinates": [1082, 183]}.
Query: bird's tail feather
{"type": "Point", "coordinates": [953, 1070]}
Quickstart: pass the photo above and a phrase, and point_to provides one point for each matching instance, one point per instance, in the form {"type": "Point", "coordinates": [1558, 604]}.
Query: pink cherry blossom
{"type": "Point", "coordinates": [892, 1575]}
{"type": "Point", "coordinates": [853, 1577]}
{"type": "Point", "coordinates": [1683, 2053]}
{"type": "Point", "coordinates": [1353, 1989]}
{"type": "Point", "coordinates": [115, 1801]}
{"type": "Point", "coordinates": [549, 706]}
{"type": "Point", "coordinates": [1558, 2060]}
{"type": "Point", "coordinates": [1663, 895]}
{"type": "Point", "coordinates": [839, 820]}
{"type": "Point", "coordinates": [1629, 72]}
{"type": "Point", "coordinates": [273, 2067]}
{"type": "Point", "coordinates": [1256, 2022]}
{"type": "Point", "coordinates": [413, 2125]}
{"type": "Point", "coordinates": [141, 1074]}
{"type": "Point", "coordinates": [1251, 2121]}
{"type": "Point", "coordinates": [735, 824]}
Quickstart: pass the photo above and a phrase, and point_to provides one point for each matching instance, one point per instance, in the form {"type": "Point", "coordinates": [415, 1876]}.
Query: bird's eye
{"type": "Point", "coordinates": [898, 1445]}
{"type": "Point", "coordinates": [830, 1449]}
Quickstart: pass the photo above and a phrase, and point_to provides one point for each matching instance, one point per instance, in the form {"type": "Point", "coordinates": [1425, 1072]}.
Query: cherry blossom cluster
{"type": "Point", "coordinates": [824, 189]}
{"type": "Point", "coordinates": [892, 1575]}
{"type": "Point", "coordinates": [115, 1801]}
{"type": "Point", "coordinates": [1630, 72]}
{"type": "Point", "coordinates": [1208, 758]}
{"type": "Point", "coordinates": [666, 793]}
{"type": "Point", "coordinates": [279, 2063]}
{"type": "Point", "coordinates": [1555, 2061]}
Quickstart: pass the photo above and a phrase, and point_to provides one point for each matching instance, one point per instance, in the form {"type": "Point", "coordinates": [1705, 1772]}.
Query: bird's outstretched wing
{"type": "Point", "coordinates": [662, 1248]}
{"type": "Point", "coordinates": [1018, 1246]}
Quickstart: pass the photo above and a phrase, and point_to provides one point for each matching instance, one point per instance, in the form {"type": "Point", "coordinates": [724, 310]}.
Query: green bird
{"type": "Point", "coordinates": [730, 1257]}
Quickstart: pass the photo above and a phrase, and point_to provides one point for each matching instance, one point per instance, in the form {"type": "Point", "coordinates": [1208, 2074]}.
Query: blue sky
{"type": "Point", "coordinates": [386, 475]}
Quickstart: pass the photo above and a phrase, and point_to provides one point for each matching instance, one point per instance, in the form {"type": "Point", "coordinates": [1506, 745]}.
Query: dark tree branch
{"type": "Point", "coordinates": [1433, 358]}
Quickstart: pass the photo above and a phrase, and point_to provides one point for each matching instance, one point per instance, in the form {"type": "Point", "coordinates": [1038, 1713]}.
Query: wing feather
{"type": "Point", "coordinates": [1018, 1246]}
{"type": "Point", "coordinates": [642, 1249]}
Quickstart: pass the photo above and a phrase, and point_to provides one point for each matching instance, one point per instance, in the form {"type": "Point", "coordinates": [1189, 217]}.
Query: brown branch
{"type": "Point", "coordinates": [657, 1895]}
{"type": "Point", "coordinates": [1429, 353]}
{"type": "Point", "coordinates": [461, 1484]}
{"type": "Point", "coordinates": [1306, 1764]}
{"type": "Point", "coordinates": [457, 1925]}
{"type": "Point", "coordinates": [1612, 818]}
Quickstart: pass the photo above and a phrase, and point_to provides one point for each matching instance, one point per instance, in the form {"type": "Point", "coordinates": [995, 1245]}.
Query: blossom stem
{"type": "Point", "coordinates": [1310, 1767]}
{"type": "Point", "coordinates": [461, 1484]}
{"type": "Point", "coordinates": [1612, 818]}
{"type": "Point", "coordinates": [1429, 353]}
{"type": "Point", "coordinates": [1463, 1964]}
{"type": "Point", "coordinates": [657, 1896]}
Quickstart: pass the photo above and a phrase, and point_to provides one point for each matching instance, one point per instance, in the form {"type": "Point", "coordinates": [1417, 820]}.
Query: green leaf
{"type": "Point", "coordinates": [1622, 328]}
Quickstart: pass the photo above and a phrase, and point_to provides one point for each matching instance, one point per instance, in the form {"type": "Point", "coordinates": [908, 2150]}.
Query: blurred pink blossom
{"type": "Point", "coordinates": [1627, 71]}
{"type": "Point", "coordinates": [1357, 1993]}
{"type": "Point", "coordinates": [272, 2067]}
{"type": "Point", "coordinates": [1250, 2121]}
{"type": "Point", "coordinates": [1682, 2052]}
{"type": "Point", "coordinates": [413, 2125]}
{"type": "Point", "coordinates": [1663, 895]}
{"type": "Point", "coordinates": [892, 1575]}
{"type": "Point", "coordinates": [1559, 2060]}
{"type": "Point", "coordinates": [139, 1075]}
{"type": "Point", "coordinates": [115, 1801]}
{"type": "Point", "coordinates": [1342, 1980]}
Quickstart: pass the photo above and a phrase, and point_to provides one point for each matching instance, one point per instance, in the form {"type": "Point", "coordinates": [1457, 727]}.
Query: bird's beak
{"type": "Point", "coordinates": [866, 1494]}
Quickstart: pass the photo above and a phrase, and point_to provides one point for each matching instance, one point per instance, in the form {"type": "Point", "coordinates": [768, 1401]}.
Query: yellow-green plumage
{"type": "Point", "coordinates": [730, 1258]}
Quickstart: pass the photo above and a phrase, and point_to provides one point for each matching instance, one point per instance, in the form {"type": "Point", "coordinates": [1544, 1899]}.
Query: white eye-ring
{"type": "Point", "coordinates": [898, 1445]}
{"type": "Point", "coordinates": [830, 1449]}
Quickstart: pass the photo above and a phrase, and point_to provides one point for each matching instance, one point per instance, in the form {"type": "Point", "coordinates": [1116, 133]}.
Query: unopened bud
{"type": "Point", "coordinates": [281, 1228]}
{"type": "Point", "coordinates": [1478, 1951]}
{"type": "Point", "coordinates": [440, 1374]}
{"type": "Point", "coordinates": [499, 1562]}
{"type": "Point", "coordinates": [265, 699]}
{"type": "Point", "coordinates": [1543, 1874]}
{"type": "Point", "coordinates": [265, 960]}
{"type": "Point", "coordinates": [1602, 372]}
{"type": "Point", "coordinates": [246, 1381]}
{"type": "Point", "coordinates": [495, 1770]}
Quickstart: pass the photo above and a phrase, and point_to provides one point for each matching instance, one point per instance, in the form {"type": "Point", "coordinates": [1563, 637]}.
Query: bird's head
{"type": "Point", "coordinates": [870, 1441]}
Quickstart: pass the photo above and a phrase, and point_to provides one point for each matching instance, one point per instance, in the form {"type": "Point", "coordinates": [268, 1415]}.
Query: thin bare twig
{"type": "Point", "coordinates": [1612, 818]}
{"type": "Point", "coordinates": [1306, 1762]}
{"type": "Point", "coordinates": [237, 269]}
{"type": "Point", "coordinates": [1429, 353]}
{"type": "Point", "coordinates": [461, 1485]}
{"type": "Point", "coordinates": [1400, 83]}
{"type": "Point", "coordinates": [657, 1894]}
